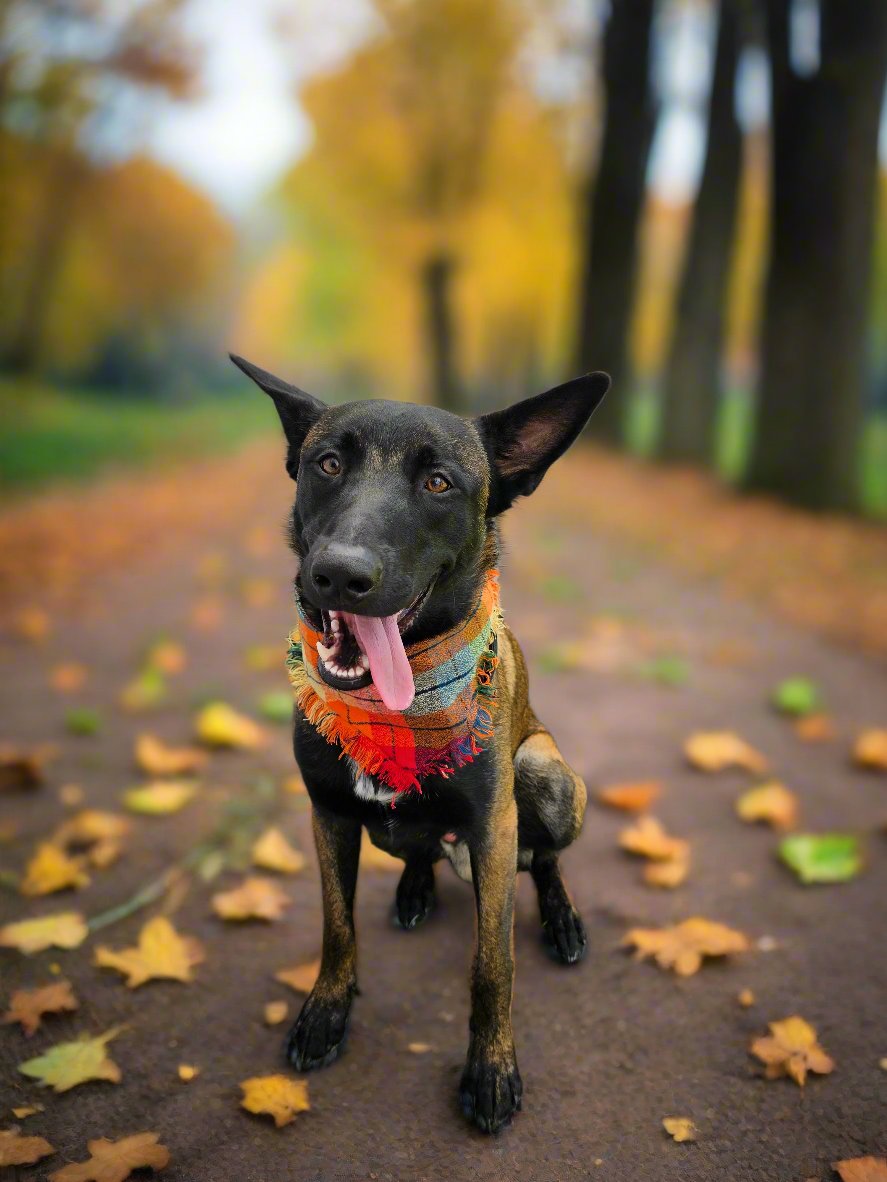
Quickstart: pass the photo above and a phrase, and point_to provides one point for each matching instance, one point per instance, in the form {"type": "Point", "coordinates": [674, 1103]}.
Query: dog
{"type": "Point", "coordinates": [395, 529]}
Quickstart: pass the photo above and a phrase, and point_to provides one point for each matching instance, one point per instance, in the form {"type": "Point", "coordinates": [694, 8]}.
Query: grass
{"type": "Point", "coordinates": [50, 436]}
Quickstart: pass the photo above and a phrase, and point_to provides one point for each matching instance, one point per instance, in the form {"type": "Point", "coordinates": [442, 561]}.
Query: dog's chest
{"type": "Point", "coordinates": [366, 788]}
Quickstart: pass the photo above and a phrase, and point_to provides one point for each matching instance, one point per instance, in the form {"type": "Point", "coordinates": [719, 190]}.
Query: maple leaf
{"type": "Point", "coordinates": [861, 1169]}
{"type": "Point", "coordinates": [23, 768]}
{"type": "Point", "coordinates": [275, 1012]}
{"type": "Point", "coordinates": [668, 873]}
{"type": "Point", "coordinates": [713, 751]}
{"type": "Point", "coordinates": [33, 623]}
{"type": "Point", "coordinates": [822, 857]}
{"type": "Point", "coordinates": [791, 1049]}
{"type": "Point", "coordinates": [114, 1161]}
{"type": "Point", "coordinates": [219, 725]}
{"type": "Point", "coordinates": [272, 851]}
{"type": "Point", "coordinates": [277, 1096]}
{"type": "Point", "coordinates": [684, 946]}
{"type": "Point", "coordinates": [648, 839]}
{"type": "Point", "coordinates": [66, 929]}
{"type": "Point", "coordinates": [301, 977]}
{"type": "Point", "coordinates": [160, 798]}
{"type": "Point", "coordinates": [28, 1005]}
{"type": "Point", "coordinates": [680, 1128]}
{"type": "Point", "coordinates": [161, 954]}
{"type": "Point", "coordinates": [68, 677]}
{"type": "Point", "coordinates": [631, 798]}
{"type": "Point", "coordinates": [68, 1064]}
{"type": "Point", "coordinates": [255, 898]}
{"type": "Point", "coordinates": [51, 870]}
{"type": "Point", "coordinates": [100, 833]}
{"type": "Point", "coordinates": [156, 758]}
{"type": "Point", "coordinates": [771, 802]}
{"type": "Point", "coordinates": [16, 1150]}
{"type": "Point", "coordinates": [870, 750]}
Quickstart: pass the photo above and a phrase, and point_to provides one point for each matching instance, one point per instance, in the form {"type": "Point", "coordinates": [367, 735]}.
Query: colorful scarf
{"type": "Point", "coordinates": [451, 716]}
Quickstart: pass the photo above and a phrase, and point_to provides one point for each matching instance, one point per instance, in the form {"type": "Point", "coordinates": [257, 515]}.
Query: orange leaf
{"type": "Point", "coordinates": [275, 1012]}
{"type": "Point", "coordinates": [114, 1161]}
{"type": "Point", "coordinates": [862, 1169]}
{"type": "Point", "coordinates": [648, 839]}
{"type": "Point", "coordinates": [69, 677]}
{"type": "Point", "coordinates": [772, 802]}
{"type": "Point", "coordinates": [272, 851]}
{"type": "Point", "coordinates": [155, 758]}
{"type": "Point", "coordinates": [16, 1150]}
{"type": "Point", "coordinates": [680, 1128]}
{"type": "Point", "coordinates": [301, 978]}
{"type": "Point", "coordinates": [713, 751]}
{"type": "Point", "coordinates": [791, 1049]}
{"type": "Point", "coordinates": [277, 1096]}
{"type": "Point", "coordinates": [255, 898]}
{"type": "Point", "coordinates": [28, 1005]}
{"type": "Point", "coordinates": [815, 728]}
{"type": "Point", "coordinates": [631, 798]}
{"type": "Point", "coordinates": [161, 954]}
{"type": "Point", "coordinates": [683, 947]}
{"type": "Point", "coordinates": [870, 750]}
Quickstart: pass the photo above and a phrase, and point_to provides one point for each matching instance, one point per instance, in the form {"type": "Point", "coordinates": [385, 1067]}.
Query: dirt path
{"type": "Point", "coordinates": [607, 1049]}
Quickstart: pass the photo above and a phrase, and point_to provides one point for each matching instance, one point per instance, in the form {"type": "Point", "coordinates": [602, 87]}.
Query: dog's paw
{"type": "Point", "coordinates": [316, 1037]}
{"type": "Point", "coordinates": [414, 901]}
{"type": "Point", "coordinates": [491, 1090]}
{"type": "Point", "coordinates": [564, 933]}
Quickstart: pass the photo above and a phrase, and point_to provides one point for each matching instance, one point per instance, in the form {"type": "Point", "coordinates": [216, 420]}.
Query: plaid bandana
{"type": "Point", "coordinates": [451, 716]}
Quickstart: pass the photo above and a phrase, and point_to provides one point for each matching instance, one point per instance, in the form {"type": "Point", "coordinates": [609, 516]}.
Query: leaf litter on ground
{"type": "Point", "coordinates": [272, 851]}
{"type": "Point", "coordinates": [870, 750]}
{"type": "Point", "coordinates": [277, 1096]}
{"type": "Point", "coordinates": [161, 954]}
{"type": "Point", "coordinates": [680, 1128]}
{"type": "Point", "coordinates": [791, 1049]}
{"type": "Point", "coordinates": [301, 977]}
{"type": "Point", "coordinates": [51, 870]}
{"type": "Point", "coordinates": [220, 725]}
{"type": "Point", "coordinates": [822, 857]}
{"type": "Point", "coordinates": [772, 803]}
{"type": "Point", "coordinates": [27, 1006]}
{"type": "Point", "coordinates": [114, 1161]}
{"type": "Point", "coordinates": [18, 1150]}
{"type": "Point", "coordinates": [66, 929]}
{"type": "Point", "coordinates": [157, 758]}
{"type": "Point", "coordinates": [68, 1064]}
{"type": "Point", "coordinates": [684, 946]}
{"type": "Point", "coordinates": [633, 797]}
{"type": "Point", "coordinates": [255, 898]}
{"type": "Point", "coordinates": [715, 751]}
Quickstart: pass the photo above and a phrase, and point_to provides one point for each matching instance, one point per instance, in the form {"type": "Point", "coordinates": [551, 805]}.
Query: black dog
{"type": "Point", "coordinates": [395, 519]}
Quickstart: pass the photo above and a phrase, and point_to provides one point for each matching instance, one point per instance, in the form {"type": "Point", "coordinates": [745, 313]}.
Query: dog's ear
{"type": "Point", "coordinates": [524, 440]}
{"type": "Point", "coordinates": [298, 411]}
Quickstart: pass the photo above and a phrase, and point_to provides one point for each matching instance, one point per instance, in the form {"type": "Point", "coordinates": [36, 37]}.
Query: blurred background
{"type": "Point", "coordinates": [459, 201]}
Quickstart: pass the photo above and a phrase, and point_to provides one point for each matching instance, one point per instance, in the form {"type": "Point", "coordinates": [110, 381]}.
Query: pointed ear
{"type": "Point", "coordinates": [524, 440]}
{"type": "Point", "coordinates": [298, 411]}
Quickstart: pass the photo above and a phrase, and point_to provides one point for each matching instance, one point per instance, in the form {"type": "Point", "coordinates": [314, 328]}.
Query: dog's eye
{"type": "Point", "coordinates": [437, 483]}
{"type": "Point", "coordinates": [330, 464]}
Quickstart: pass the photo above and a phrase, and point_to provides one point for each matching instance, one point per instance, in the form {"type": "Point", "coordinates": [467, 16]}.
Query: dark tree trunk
{"type": "Point", "coordinates": [692, 374]}
{"type": "Point", "coordinates": [613, 209]}
{"type": "Point", "coordinates": [825, 137]}
{"type": "Point", "coordinates": [437, 274]}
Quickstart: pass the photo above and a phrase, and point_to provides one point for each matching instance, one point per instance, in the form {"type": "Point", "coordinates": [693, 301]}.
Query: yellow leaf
{"type": "Point", "coordinates": [32, 623]}
{"type": "Point", "coordinates": [713, 751]}
{"type": "Point", "coordinates": [272, 851]}
{"type": "Point", "coordinates": [669, 873]}
{"type": "Point", "coordinates": [160, 798]}
{"type": "Point", "coordinates": [301, 978]}
{"type": "Point", "coordinates": [64, 930]}
{"type": "Point", "coordinates": [771, 802]}
{"type": "Point", "coordinates": [51, 870]}
{"type": "Point", "coordinates": [419, 1048]}
{"type": "Point", "coordinates": [680, 1128]}
{"type": "Point", "coordinates": [870, 750]}
{"type": "Point", "coordinates": [71, 795]}
{"type": "Point", "coordinates": [258, 593]}
{"type": "Point", "coordinates": [69, 677]}
{"type": "Point", "coordinates": [648, 839]}
{"type": "Point", "coordinates": [16, 1150]}
{"type": "Point", "coordinates": [218, 725]}
{"type": "Point", "coordinates": [187, 1072]}
{"type": "Point", "coordinates": [156, 758]}
{"type": "Point", "coordinates": [372, 858]}
{"type": "Point", "coordinates": [161, 954]}
{"type": "Point", "coordinates": [746, 998]}
{"type": "Point", "coordinates": [68, 1064]}
{"type": "Point", "coordinates": [631, 798]}
{"type": "Point", "coordinates": [100, 833]}
{"type": "Point", "coordinates": [27, 1006]}
{"type": "Point", "coordinates": [791, 1049]}
{"type": "Point", "coordinates": [114, 1161]}
{"type": "Point", "coordinates": [295, 785]}
{"type": "Point", "coordinates": [277, 1096]}
{"type": "Point", "coordinates": [684, 946]}
{"type": "Point", "coordinates": [255, 898]}
{"type": "Point", "coordinates": [26, 1111]}
{"type": "Point", "coordinates": [861, 1169]}
{"type": "Point", "coordinates": [275, 1012]}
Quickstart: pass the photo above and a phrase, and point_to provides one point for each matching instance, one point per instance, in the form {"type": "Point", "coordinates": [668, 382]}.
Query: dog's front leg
{"type": "Point", "coordinates": [319, 1030]}
{"type": "Point", "coordinates": [491, 1087]}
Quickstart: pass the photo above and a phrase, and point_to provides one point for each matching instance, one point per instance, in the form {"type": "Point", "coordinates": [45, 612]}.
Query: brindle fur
{"type": "Point", "coordinates": [516, 806]}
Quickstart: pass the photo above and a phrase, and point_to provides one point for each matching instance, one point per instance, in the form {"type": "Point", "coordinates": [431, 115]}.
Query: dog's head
{"type": "Point", "coordinates": [393, 509]}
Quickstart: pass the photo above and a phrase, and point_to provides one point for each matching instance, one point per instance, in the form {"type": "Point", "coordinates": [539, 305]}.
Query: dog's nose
{"type": "Point", "coordinates": [341, 575]}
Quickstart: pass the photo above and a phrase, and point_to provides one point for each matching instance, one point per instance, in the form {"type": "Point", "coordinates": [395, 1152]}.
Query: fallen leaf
{"type": "Point", "coordinates": [101, 834]}
{"type": "Point", "coordinates": [168, 657]}
{"type": "Point", "coordinates": [668, 669]}
{"type": "Point", "coordinates": [870, 750]}
{"type": "Point", "coordinates": [146, 690]}
{"type": "Point", "coordinates": [71, 795]}
{"type": "Point", "coordinates": [815, 728]}
{"type": "Point", "coordinates": [680, 1128]}
{"type": "Point", "coordinates": [68, 1064]}
{"type": "Point", "coordinates": [797, 696]}
{"type": "Point", "coordinates": [272, 851]}
{"type": "Point", "coordinates": [68, 677]}
{"type": "Point", "coordinates": [187, 1072]}
{"type": "Point", "coordinates": [262, 657]}
{"type": "Point", "coordinates": [683, 946]}
{"type": "Point", "coordinates": [667, 874]}
{"type": "Point", "coordinates": [714, 751]}
{"type": "Point", "coordinates": [219, 725]}
{"type": "Point", "coordinates": [207, 613]}
{"type": "Point", "coordinates": [746, 998]}
{"type": "Point", "coordinates": [22, 767]}
{"type": "Point", "coordinates": [16, 1150]}
{"type": "Point", "coordinates": [277, 1096]}
{"type": "Point", "coordinates": [83, 721]}
{"type": "Point", "coordinates": [771, 802]}
{"type": "Point", "coordinates": [295, 785]}
{"type": "Point", "coordinates": [861, 1169]}
{"type": "Point", "coordinates": [51, 870]}
{"type": "Point", "coordinates": [255, 898]}
{"type": "Point", "coordinates": [419, 1048]}
{"type": "Point", "coordinates": [275, 1012]}
{"type": "Point", "coordinates": [161, 954]}
{"type": "Point", "coordinates": [114, 1161]}
{"type": "Point", "coordinates": [63, 930]}
{"type": "Point", "coordinates": [372, 858]}
{"type": "Point", "coordinates": [26, 1111]}
{"type": "Point", "coordinates": [160, 798]}
{"type": "Point", "coordinates": [791, 1049]}
{"type": "Point", "coordinates": [156, 758]}
{"type": "Point", "coordinates": [635, 797]}
{"type": "Point", "coordinates": [301, 978]}
{"type": "Point", "coordinates": [823, 857]}
{"type": "Point", "coordinates": [648, 839]}
{"type": "Point", "coordinates": [32, 623]}
{"type": "Point", "coordinates": [27, 1006]}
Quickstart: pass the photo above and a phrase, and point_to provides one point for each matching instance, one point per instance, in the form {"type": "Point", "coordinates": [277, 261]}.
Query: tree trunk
{"type": "Point", "coordinates": [437, 273]}
{"type": "Point", "coordinates": [825, 138]}
{"type": "Point", "coordinates": [692, 373]}
{"type": "Point", "coordinates": [613, 209]}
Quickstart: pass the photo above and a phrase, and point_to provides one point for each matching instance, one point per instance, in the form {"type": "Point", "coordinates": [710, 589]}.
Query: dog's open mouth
{"type": "Point", "coordinates": [358, 651]}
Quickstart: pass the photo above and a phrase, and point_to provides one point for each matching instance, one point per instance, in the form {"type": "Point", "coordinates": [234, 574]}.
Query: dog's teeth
{"type": "Point", "coordinates": [324, 653]}
{"type": "Point", "coordinates": [335, 624]}
{"type": "Point", "coordinates": [364, 662]}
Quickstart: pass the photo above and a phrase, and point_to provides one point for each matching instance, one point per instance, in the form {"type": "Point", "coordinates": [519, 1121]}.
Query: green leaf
{"type": "Point", "coordinates": [68, 1064]}
{"type": "Point", "coordinates": [558, 658]}
{"type": "Point", "coordinates": [560, 588]}
{"type": "Point", "coordinates": [277, 706]}
{"type": "Point", "coordinates": [825, 857]}
{"type": "Point", "coordinates": [83, 721]}
{"type": "Point", "coordinates": [666, 670]}
{"type": "Point", "coordinates": [797, 696]}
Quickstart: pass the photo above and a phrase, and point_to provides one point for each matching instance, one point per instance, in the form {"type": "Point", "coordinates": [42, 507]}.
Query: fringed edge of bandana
{"type": "Point", "coordinates": [368, 756]}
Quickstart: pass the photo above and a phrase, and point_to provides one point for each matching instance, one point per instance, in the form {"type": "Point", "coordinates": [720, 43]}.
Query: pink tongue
{"type": "Point", "coordinates": [379, 637]}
